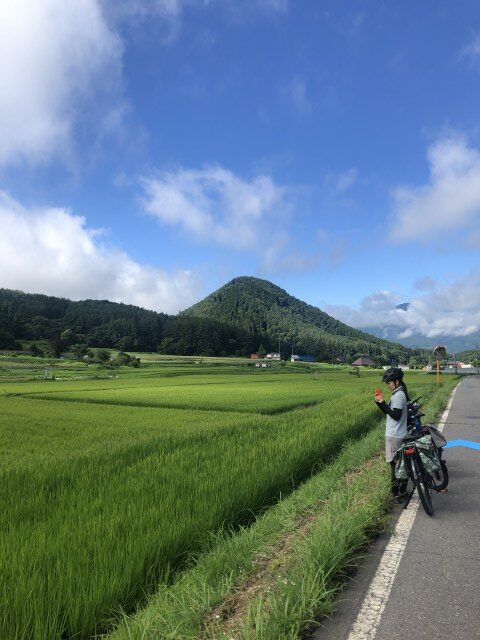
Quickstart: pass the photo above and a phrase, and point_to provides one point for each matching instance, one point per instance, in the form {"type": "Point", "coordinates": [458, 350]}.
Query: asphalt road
{"type": "Point", "coordinates": [436, 590]}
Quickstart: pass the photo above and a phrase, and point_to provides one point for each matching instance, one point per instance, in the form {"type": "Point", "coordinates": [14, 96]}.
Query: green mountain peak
{"type": "Point", "coordinates": [261, 307]}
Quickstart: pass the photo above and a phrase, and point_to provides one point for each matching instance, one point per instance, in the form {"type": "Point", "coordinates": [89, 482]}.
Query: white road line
{"type": "Point", "coordinates": [368, 619]}
{"type": "Point", "coordinates": [443, 419]}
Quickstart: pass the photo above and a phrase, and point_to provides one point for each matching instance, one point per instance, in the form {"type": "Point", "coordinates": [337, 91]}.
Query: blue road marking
{"type": "Point", "coordinates": [463, 443]}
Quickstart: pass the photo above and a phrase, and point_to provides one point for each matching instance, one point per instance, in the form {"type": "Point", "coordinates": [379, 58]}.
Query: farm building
{"type": "Point", "coordinates": [274, 356]}
{"type": "Point", "coordinates": [363, 361]}
{"type": "Point", "coordinates": [254, 356]}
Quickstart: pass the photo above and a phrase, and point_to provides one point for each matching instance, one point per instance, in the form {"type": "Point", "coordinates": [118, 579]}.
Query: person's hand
{"type": "Point", "coordinates": [378, 396]}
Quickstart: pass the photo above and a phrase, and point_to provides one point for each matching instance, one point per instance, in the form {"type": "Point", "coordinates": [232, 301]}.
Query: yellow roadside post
{"type": "Point", "coordinates": [439, 353]}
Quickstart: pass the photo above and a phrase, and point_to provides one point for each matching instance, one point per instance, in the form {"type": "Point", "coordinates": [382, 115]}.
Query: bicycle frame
{"type": "Point", "coordinates": [421, 480]}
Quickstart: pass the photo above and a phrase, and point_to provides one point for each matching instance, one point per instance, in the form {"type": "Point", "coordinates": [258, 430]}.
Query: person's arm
{"type": "Point", "coordinates": [382, 406]}
{"type": "Point", "coordinates": [397, 405]}
{"type": "Point", "coordinates": [396, 413]}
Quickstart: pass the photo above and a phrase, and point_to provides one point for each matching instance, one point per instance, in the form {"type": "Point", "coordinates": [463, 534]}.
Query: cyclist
{"type": "Point", "coordinates": [396, 425]}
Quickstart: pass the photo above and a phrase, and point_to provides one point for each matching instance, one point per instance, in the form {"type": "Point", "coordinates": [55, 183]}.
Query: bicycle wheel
{"type": "Point", "coordinates": [421, 484]}
{"type": "Point", "coordinates": [440, 478]}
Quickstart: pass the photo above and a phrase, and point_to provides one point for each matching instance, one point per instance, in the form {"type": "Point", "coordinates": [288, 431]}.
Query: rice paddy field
{"type": "Point", "coordinates": [108, 486]}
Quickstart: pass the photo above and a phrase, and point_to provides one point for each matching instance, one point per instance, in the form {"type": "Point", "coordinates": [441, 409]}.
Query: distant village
{"type": "Point", "coordinates": [362, 361]}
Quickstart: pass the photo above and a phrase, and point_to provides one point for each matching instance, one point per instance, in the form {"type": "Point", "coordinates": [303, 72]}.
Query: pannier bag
{"type": "Point", "coordinates": [401, 467]}
{"type": "Point", "coordinates": [437, 437]}
{"type": "Point", "coordinates": [428, 456]}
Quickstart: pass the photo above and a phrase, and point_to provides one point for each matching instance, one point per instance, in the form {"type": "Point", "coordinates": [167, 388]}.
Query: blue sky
{"type": "Point", "coordinates": [152, 150]}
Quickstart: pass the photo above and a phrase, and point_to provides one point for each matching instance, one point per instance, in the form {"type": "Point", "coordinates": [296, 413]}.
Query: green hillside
{"type": "Point", "coordinates": [245, 315]}
{"type": "Point", "coordinates": [260, 307]}
{"type": "Point", "coordinates": [30, 318]}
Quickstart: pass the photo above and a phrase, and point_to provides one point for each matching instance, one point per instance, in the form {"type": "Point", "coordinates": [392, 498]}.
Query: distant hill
{"type": "Point", "coordinates": [261, 307]}
{"type": "Point", "coordinates": [245, 315]}
{"type": "Point", "coordinates": [63, 323]}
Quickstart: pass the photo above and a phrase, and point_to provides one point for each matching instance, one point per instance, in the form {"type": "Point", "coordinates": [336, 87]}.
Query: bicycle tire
{"type": "Point", "coordinates": [441, 478]}
{"type": "Point", "coordinates": [422, 487]}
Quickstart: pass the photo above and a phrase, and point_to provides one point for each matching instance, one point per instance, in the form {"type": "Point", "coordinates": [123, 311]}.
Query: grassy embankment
{"type": "Point", "coordinates": [107, 487]}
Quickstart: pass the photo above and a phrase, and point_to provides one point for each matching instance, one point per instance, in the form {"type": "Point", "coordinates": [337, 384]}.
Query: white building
{"type": "Point", "coordinates": [273, 356]}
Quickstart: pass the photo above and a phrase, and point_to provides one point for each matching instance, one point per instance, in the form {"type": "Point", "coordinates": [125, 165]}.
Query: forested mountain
{"type": "Point", "coordinates": [245, 315]}
{"type": "Point", "coordinates": [261, 307]}
{"type": "Point", "coordinates": [100, 323]}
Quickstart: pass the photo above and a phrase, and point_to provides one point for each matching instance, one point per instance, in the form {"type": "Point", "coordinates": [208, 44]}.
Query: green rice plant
{"type": "Point", "coordinates": [186, 609]}
{"type": "Point", "coordinates": [294, 585]}
{"type": "Point", "coordinates": [102, 501]}
{"type": "Point", "coordinates": [252, 392]}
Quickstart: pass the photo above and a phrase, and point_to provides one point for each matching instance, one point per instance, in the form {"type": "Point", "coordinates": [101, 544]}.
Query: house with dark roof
{"type": "Point", "coordinates": [274, 355]}
{"type": "Point", "coordinates": [363, 361]}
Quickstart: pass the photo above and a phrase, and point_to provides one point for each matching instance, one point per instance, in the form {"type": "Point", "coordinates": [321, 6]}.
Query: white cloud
{"type": "Point", "coordinates": [212, 205]}
{"type": "Point", "coordinates": [132, 13]}
{"type": "Point", "coordinates": [52, 251]}
{"type": "Point", "coordinates": [346, 179]}
{"type": "Point", "coordinates": [444, 310]}
{"type": "Point", "coordinates": [57, 59]}
{"type": "Point", "coordinates": [343, 181]}
{"type": "Point", "coordinates": [296, 261]}
{"type": "Point", "coordinates": [451, 199]}
{"type": "Point", "coordinates": [169, 14]}
{"type": "Point", "coordinates": [61, 68]}
{"type": "Point", "coordinates": [144, 8]}
{"type": "Point", "coordinates": [280, 255]}
{"type": "Point", "coordinates": [471, 50]}
{"type": "Point", "coordinates": [425, 284]}
{"type": "Point", "coordinates": [217, 206]}
{"type": "Point", "coordinates": [296, 92]}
